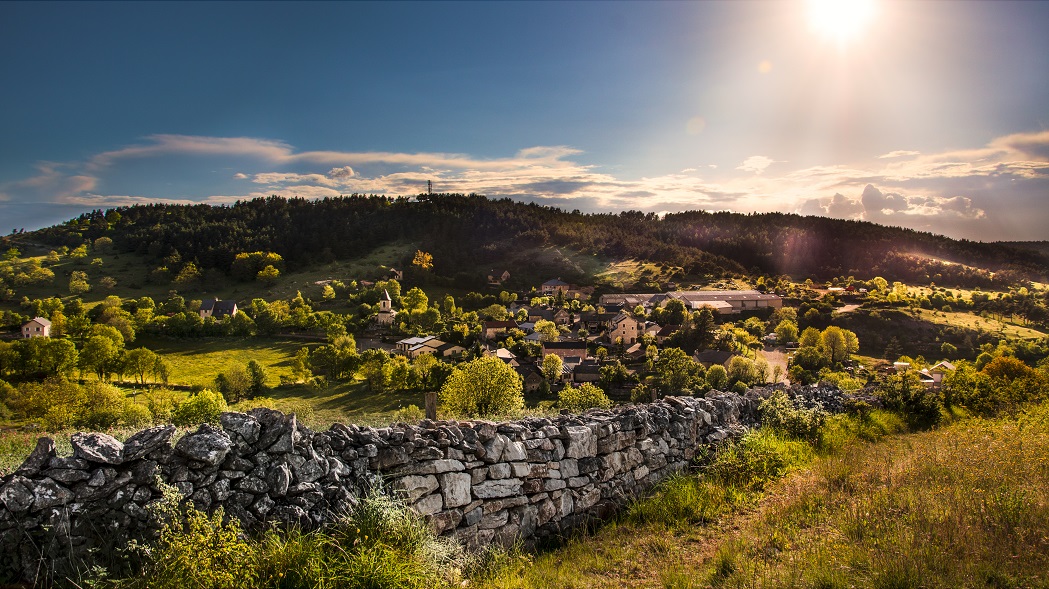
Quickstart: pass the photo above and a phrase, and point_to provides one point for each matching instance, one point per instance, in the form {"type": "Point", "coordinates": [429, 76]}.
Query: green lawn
{"type": "Point", "coordinates": [977, 323]}
{"type": "Point", "coordinates": [198, 361]}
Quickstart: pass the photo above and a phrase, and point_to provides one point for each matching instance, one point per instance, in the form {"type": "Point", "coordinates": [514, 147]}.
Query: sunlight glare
{"type": "Point", "coordinates": [840, 20]}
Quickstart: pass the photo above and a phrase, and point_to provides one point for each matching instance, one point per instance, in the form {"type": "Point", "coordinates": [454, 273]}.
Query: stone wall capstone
{"type": "Point", "coordinates": [480, 481]}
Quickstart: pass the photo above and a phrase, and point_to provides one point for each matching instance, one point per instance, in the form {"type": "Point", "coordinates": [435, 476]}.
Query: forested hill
{"type": "Point", "coordinates": [465, 232]}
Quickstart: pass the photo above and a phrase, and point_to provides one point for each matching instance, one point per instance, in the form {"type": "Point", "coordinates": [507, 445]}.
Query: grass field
{"type": "Point", "coordinates": [977, 323]}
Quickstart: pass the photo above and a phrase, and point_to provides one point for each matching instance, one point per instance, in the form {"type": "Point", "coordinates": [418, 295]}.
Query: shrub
{"type": "Point", "coordinates": [203, 407]}
{"type": "Point", "coordinates": [587, 396]}
{"type": "Point", "coordinates": [641, 394]}
{"type": "Point", "coordinates": [779, 413]}
{"type": "Point", "coordinates": [136, 414]}
{"type": "Point", "coordinates": [161, 403]}
{"type": "Point", "coordinates": [757, 459]}
{"type": "Point", "coordinates": [906, 394]}
{"type": "Point", "coordinates": [103, 406]}
{"type": "Point", "coordinates": [409, 414]}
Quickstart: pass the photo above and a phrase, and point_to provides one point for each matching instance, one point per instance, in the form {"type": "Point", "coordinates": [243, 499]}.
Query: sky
{"type": "Point", "coordinates": [927, 115]}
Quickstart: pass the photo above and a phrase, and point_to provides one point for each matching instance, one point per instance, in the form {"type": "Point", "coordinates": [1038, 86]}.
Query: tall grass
{"type": "Point", "coordinates": [381, 544]}
{"type": "Point", "coordinates": [963, 506]}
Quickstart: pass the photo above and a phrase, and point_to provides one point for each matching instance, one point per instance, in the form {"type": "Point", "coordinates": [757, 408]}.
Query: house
{"type": "Point", "coordinates": [413, 347]}
{"type": "Point", "coordinates": [552, 286]}
{"type": "Point", "coordinates": [556, 316]}
{"type": "Point", "coordinates": [933, 377]}
{"type": "Point", "coordinates": [587, 371]}
{"type": "Point", "coordinates": [579, 292]}
{"type": "Point", "coordinates": [665, 332]}
{"type": "Point", "coordinates": [217, 309]}
{"type": "Point", "coordinates": [497, 277]}
{"type": "Point", "coordinates": [450, 350]}
{"type": "Point", "coordinates": [709, 358]}
{"type": "Point", "coordinates": [493, 329]}
{"type": "Point", "coordinates": [635, 352]}
{"type": "Point", "coordinates": [396, 274]}
{"type": "Point", "coordinates": [564, 349]}
{"type": "Point", "coordinates": [37, 327]}
{"type": "Point", "coordinates": [531, 378]}
{"type": "Point", "coordinates": [627, 327]}
{"type": "Point", "coordinates": [725, 302]}
{"type": "Point", "coordinates": [596, 322]}
{"type": "Point", "coordinates": [386, 313]}
{"type": "Point", "coordinates": [504, 355]}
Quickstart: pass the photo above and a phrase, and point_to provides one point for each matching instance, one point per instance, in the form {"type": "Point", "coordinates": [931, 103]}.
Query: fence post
{"type": "Point", "coordinates": [431, 405]}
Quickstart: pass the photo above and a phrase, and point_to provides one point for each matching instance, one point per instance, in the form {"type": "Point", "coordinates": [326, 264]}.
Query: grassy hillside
{"type": "Point", "coordinates": [963, 506]}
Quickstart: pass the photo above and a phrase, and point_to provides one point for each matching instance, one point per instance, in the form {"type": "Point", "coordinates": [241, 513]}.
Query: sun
{"type": "Point", "coordinates": [840, 20]}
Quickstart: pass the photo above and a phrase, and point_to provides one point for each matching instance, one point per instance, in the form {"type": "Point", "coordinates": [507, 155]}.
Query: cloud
{"type": "Point", "coordinates": [341, 173]}
{"type": "Point", "coordinates": [995, 191]}
{"type": "Point", "coordinates": [898, 153]}
{"type": "Point", "coordinates": [756, 164]}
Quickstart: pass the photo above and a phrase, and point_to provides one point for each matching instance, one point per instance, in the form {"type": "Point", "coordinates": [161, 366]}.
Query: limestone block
{"type": "Point", "coordinates": [456, 488]}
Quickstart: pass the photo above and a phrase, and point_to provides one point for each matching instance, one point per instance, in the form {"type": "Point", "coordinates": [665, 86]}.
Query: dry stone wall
{"type": "Point", "coordinates": [480, 481]}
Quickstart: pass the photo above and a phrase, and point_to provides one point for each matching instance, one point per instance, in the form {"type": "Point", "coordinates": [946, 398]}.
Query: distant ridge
{"type": "Point", "coordinates": [466, 232]}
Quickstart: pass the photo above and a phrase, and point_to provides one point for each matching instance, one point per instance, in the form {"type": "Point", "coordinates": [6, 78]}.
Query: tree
{"type": "Point", "coordinates": [189, 275]}
{"type": "Point", "coordinates": [613, 375]}
{"type": "Point", "coordinates": [547, 330]}
{"type": "Point", "coordinates": [268, 275]}
{"type": "Point", "coordinates": [257, 376]}
{"type": "Point", "coordinates": [552, 367]}
{"type": "Point", "coordinates": [328, 293]}
{"type": "Point", "coordinates": [78, 284]}
{"type": "Point", "coordinates": [414, 300]}
{"type": "Point", "coordinates": [140, 361]}
{"type": "Point", "coordinates": [482, 387]}
{"type": "Point", "coordinates": [234, 384]}
{"type": "Point", "coordinates": [676, 371]}
{"type": "Point", "coordinates": [586, 396]}
{"type": "Point", "coordinates": [97, 355]}
{"type": "Point", "coordinates": [787, 331]}
{"type": "Point", "coordinates": [423, 260]}
{"type": "Point", "coordinates": [717, 377]}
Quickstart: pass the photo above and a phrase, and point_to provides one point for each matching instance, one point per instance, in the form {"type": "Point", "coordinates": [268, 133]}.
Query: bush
{"type": "Point", "coordinates": [103, 406]}
{"type": "Point", "coordinates": [587, 396]}
{"type": "Point", "coordinates": [757, 459]}
{"type": "Point", "coordinates": [409, 414]}
{"type": "Point", "coordinates": [641, 394]}
{"type": "Point", "coordinates": [161, 403]}
{"type": "Point", "coordinates": [203, 407]}
{"type": "Point", "coordinates": [136, 414]}
{"type": "Point", "coordinates": [779, 413]}
{"type": "Point", "coordinates": [906, 394]}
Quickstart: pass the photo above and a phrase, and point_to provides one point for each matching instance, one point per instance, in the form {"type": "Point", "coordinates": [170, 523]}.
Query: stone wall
{"type": "Point", "coordinates": [480, 481]}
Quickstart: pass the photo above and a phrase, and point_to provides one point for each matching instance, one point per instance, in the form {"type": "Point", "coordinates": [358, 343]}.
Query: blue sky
{"type": "Point", "coordinates": [931, 115]}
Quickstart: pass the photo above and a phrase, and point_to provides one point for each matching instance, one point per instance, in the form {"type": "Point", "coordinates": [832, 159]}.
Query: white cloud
{"type": "Point", "coordinates": [240, 176]}
{"type": "Point", "coordinates": [756, 164]}
{"type": "Point", "coordinates": [898, 153]}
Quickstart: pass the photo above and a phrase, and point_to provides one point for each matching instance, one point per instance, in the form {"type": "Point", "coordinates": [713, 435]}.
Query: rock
{"type": "Point", "coordinates": [581, 442]}
{"type": "Point", "coordinates": [242, 426]}
{"type": "Point", "coordinates": [456, 489]}
{"type": "Point", "coordinates": [39, 458]}
{"type": "Point", "coordinates": [494, 489]}
{"type": "Point", "coordinates": [311, 470]}
{"type": "Point", "coordinates": [429, 505]}
{"type": "Point", "coordinates": [147, 441]}
{"type": "Point", "coordinates": [446, 520]}
{"type": "Point", "coordinates": [279, 479]}
{"type": "Point", "coordinates": [413, 487]}
{"type": "Point", "coordinates": [208, 445]}
{"type": "Point", "coordinates": [98, 448]}
{"type": "Point", "coordinates": [17, 494]}
{"type": "Point", "coordinates": [48, 493]}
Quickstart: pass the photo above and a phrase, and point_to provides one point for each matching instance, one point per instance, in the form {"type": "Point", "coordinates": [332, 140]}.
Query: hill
{"type": "Point", "coordinates": [470, 234]}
